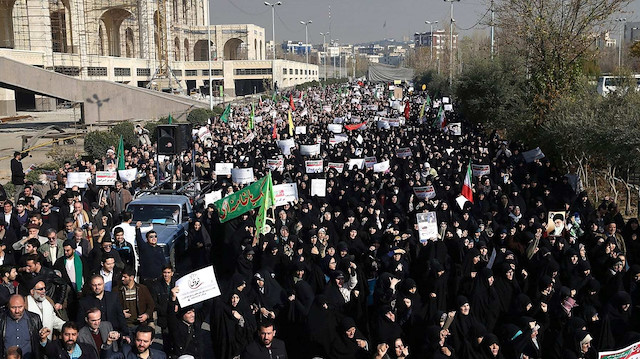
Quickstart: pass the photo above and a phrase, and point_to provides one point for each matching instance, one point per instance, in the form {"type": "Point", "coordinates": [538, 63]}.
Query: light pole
{"type": "Point", "coordinates": [306, 37]}
{"type": "Point", "coordinates": [431, 23]}
{"type": "Point", "coordinates": [620, 20]}
{"type": "Point", "coordinates": [324, 48]}
{"type": "Point", "coordinates": [334, 42]}
{"type": "Point", "coordinates": [451, 42]}
{"type": "Point", "coordinates": [209, 59]}
{"type": "Point", "coordinates": [273, 35]}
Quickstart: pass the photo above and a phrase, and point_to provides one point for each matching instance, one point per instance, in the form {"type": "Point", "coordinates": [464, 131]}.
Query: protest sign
{"type": "Point", "coordinates": [223, 169]}
{"type": "Point", "coordinates": [275, 165]}
{"type": "Point", "coordinates": [106, 178]}
{"type": "Point", "coordinates": [427, 226]}
{"type": "Point", "coordinates": [424, 192]}
{"type": "Point", "coordinates": [335, 127]}
{"type": "Point", "coordinates": [326, 108]}
{"type": "Point", "coordinates": [310, 150]}
{"type": "Point", "coordinates": [257, 119]}
{"type": "Point", "coordinates": [337, 120]}
{"type": "Point", "coordinates": [313, 166]}
{"type": "Point", "coordinates": [403, 152]}
{"type": "Point", "coordinates": [394, 122]}
{"type": "Point", "coordinates": [285, 145]}
{"type": "Point", "coordinates": [211, 197]}
{"type": "Point", "coordinates": [480, 170]}
{"type": "Point", "coordinates": [369, 161]}
{"type": "Point", "coordinates": [285, 193]}
{"type": "Point", "coordinates": [534, 154]}
{"type": "Point", "coordinates": [555, 223]}
{"type": "Point", "coordinates": [128, 175]}
{"type": "Point", "coordinates": [197, 287]}
{"type": "Point", "coordinates": [381, 167]}
{"type": "Point", "coordinates": [301, 130]}
{"type": "Point", "coordinates": [448, 107]}
{"type": "Point", "coordinates": [242, 175]}
{"type": "Point", "coordinates": [51, 175]}
{"type": "Point", "coordinates": [445, 100]}
{"type": "Point", "coordinates": [383, 125]}
{"type": "Point", "coordinates": [339, 167]}
{"type": "Point", "coordinates": [359, 139]}
{"type": "Point", "coordinates": [630, 352]}
{"type": "Point", "coordinates": [319, 187]}
{"type": "Point", "coordinates": [371, 107]}
{"type": "Point", "coordinates": [355, 162]}
{"type": "Point", "coordinates": [78, 179]}
{"type": "Point", "coordinates": [455, 128]}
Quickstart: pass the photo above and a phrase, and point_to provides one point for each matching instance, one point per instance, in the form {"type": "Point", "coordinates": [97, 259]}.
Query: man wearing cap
{"type": "Point", "coordinates": [185, 328]}
{"type": "Point", "coordinates": [17, 174]}
{"type": "Point", "coordinates": [39, 303]}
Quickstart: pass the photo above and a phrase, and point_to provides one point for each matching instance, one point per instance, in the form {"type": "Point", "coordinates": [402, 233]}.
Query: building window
{"type": "Point", "coordinates": [191, 72]}
{"type": "Point", "coordinates": [122, 71]}
{"type": "Point", "coordinates": [96, 71]}
{"type": "Point", "coordinates": [253, 71]}
{"type": "Point", "coordinates": [284, 71]}
{"type": "Point", "coordinates": [216, 72]}
{"type": "Point", "coordinates": [143, 72]}
{"type": "Point", "coordinates": [68, 70]}
{"type": "Point", "coordinates": [177, 73]}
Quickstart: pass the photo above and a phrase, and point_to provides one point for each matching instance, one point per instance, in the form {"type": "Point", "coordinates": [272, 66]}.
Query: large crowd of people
{"type": "Point", "coordinates": [528, 268]}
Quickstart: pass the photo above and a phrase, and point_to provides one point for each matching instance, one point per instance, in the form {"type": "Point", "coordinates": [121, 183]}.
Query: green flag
{"type": "Point", "coordinates": [436, 121]}
{"type": "Point", "coordinates": [170, 119]}
{"type": "Point", "coordinates": [121, 154]}
{"type": "Point", "coordinates": [428, 100]}
{"type": "Point", "coordinates": [248, 198]}
{"type": "Point", "coordinates": [267, 202]}
{"type": "Point", "coordinates": [226, 113]}
{"type": "Point", "coordinates": [253, 114]}
{"type": "Point", "coordinates": [422, 109]}
{"type": "Point", "coordinates": [273, 96]}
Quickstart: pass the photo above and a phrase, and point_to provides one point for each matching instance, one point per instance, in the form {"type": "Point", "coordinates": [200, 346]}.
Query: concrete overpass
{"type": "Point", "coordinates": [102, 100]}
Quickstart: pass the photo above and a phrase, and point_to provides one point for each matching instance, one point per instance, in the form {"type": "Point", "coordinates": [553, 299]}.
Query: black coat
{"type": "Point", "coordinates": [152, 258]}
{"type": "Point", "coordinates": [35, 324]}
{"type": "Point", "coordinates": [187, 339]}
{"type": "Point", "coordinates": [56, 350]}
{"type": "Point", "coordinates": [256, 350]}
{"type": "Point", "coordinates": [17, 172]}
{"type": "Point", "coordinates": [109, 306]}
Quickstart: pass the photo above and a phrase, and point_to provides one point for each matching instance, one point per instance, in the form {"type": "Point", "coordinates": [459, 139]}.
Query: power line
{"type": "Point", "coordinates": [477, 23]}
{"type": "Point", "coordinates": [246, 12]}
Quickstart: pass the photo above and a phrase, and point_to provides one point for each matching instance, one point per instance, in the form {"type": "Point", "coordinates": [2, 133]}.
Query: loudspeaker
{"type": "Point", "coordinates": [167, 139]}
{"type": "Point", "coordinates": [184, 139]}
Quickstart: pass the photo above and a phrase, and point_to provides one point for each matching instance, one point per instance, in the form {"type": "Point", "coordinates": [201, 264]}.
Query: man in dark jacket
{"type": "Point", "coordinates": [151, 255]}
{"type": "Point", "coordinates": [17, 174]}
{"type": "Point", "coordinates": [266, 345]}
{"type": "Point", "coordinates": [107, 302]}
{"type": "Point", "coordinates": [141, 346]}
{"type": "Point", "coordinates": [161, 291]}
{"type": "Point", "coordinates": [67, 346]}
{"type": "Point", "coordinates": [18, 320]}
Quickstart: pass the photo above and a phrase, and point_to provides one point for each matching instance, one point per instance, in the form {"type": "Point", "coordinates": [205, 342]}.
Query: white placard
{"type": "Point", "coordinates": [301, 130]}
{"type": "Point", "coordinates": [223, 169]}
{"type": "Point", "coordinates": [78, 179]}
{"type": "Point", "coordinates": [257, 119]}
{"type": "Point", "coordinates": [339, 167]}
{"type": "Point", "coordinates": [242, 175]}
{"type": "Point", "coordinates": [369, 161]}
{"type": "Point", "coordinates": [285, 193]}
{"type": "Point", "coordinates": [313, 166]}
{"type": "Point", "coordinates": [455, 128]}
{"type": "Point", "coordinates": [319, 187]}
{"type": "Point", "coordinates": [445, 100]}
{"type": "Point", "coordinates": [211, 197]}
{"type": "Point", "coordinates": [427, 226]}
{"type": "Point", "coordinates": [534, 154]}
{"type": "Point", "coordinates": [285, 145]}
{"type": "Point", "coordinates": [128, 175]}
{"type": "Point", "coordinates": [335, 127]}
{"type": "Point", "coordinates": [197, 287]}
{"type": "Point", "coordinates": [381, 167]}
{"type": "Point", "coordinates": [383, 125]}
{"type": "Point", "coordinates": [480, 170]}
{"type": "Point", "coordinates": [355, 162]}
{"type": "Point", "coordinates": [394, 122]}
{"type": "Point", "coordinates": [106, 178]}
{"type": "Point", "coordinates": [461, 200]}
{"type": "Point", "coordinates": [359, 139]}
{"type": "Point", "coordinates": [275, 165]}
{"type": "Point", "coordinates": [326, 108]}
{"type": "Point", "coordinates": [425, 192]}
{"type": "Point", "coordinates": [404, 152]}
{"type": "Point", "coordinates": [448, 107]}
{"type": "Point", "coordinates": [310, 150]}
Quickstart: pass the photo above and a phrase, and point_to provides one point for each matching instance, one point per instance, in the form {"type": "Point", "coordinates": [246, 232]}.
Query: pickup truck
{"type": "Point", "coordinates": [169, 215]}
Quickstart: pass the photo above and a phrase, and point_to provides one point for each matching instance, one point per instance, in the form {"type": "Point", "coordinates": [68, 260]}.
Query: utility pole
{"type": "Point", "coordinates": [273, 35]}
{"type": "Point", "coordinates": [306, 37]}
{"type": "Point", "coordinates": [451, 41]}
{"type": "Point", "coordinates": [620, 20]}
{"type": "Point", "coordinates": [210, 70]}
{"type": "Point", "coordinates": [431, 23]}
{"type": "Point", "coordinates": [324, 47]}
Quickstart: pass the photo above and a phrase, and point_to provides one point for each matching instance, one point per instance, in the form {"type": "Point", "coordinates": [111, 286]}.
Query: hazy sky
{"type": "Point", "coordinates": [354, 21]}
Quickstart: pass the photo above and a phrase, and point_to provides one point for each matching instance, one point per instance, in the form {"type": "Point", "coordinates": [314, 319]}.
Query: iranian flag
{"type": "Point", "coordinates": [466, 186]}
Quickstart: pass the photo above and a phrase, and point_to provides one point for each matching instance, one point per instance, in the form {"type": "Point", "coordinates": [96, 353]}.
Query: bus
{"type": "Point", "coordinates": [607, 84]}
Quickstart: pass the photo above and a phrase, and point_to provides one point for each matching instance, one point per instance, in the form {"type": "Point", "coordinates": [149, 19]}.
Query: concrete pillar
{"type": "Point", "coordinates": [40, 29]}
{"type": "Point", "coordinates": [229, 84]}
{"type": "Point", "coordinates": [7, 102]}
{"type": "Point", "coordinates": [44, 103]}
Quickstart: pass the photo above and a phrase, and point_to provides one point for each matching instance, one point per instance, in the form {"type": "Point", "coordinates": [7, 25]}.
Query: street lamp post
{"type": "Point", "coordinates": [306, 37]}
{"type": "Point", "coordinates": [431, 23]}
{"type": "Point", "coordinates": [334, 42]}
{"type": "Point", "coordinates": [620, 20]}
{"type": "Point", "coordinates": [273, 35]}
{"type": "Point", "coordinates": [324, 48]}
{"type": "Point", "coordinates": [451, 42]}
